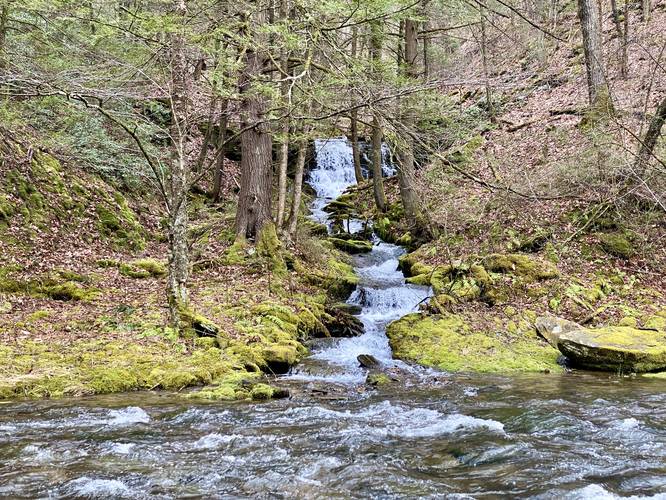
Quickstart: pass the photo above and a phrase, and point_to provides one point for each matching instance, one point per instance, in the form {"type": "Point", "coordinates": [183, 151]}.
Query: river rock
{"type": "Point", "coordinates": [551, 327]}
{"type": "Point", "coordinates": [368, 361]}
{"type": "Point", "coordinates": [342, 324]}
{"type": "Point", "coordinates": [350, 245]}
{"type": "Point", "coordinates": [610, 348]}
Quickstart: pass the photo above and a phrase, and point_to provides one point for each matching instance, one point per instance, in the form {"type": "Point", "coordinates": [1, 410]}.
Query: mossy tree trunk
{"type": "Point", "coordinates": [254, 201]}
{"type": "Point", "coordinates": [376, 40]}
{"type": "Point", "coordinates": [179, 179]}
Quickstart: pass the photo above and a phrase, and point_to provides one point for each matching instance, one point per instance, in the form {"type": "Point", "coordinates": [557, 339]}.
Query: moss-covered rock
{"type": "Point", "coordinates": [523, 266]}
{"type": "Point", "coordinates": [618, 245]}
{"type": "Point", "coordinates": [615, 348]}
{"type": "Point", "coordinates": [350, 245]}
{"type": "Point", "coordinates": [449, 343]}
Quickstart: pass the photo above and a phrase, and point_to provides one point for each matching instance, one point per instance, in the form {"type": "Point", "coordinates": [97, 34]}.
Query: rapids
{"type": "Point", "coordinates": [433, 435]}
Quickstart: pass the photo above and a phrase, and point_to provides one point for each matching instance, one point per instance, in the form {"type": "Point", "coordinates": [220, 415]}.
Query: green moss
{"type": "Point", "coordinates": [447, 342]}
{"type": "Point", "coordinates": [95, 367]}
{"type": "Point", "coordinates": [351, 246]}
{"type": "Point", "coordinates": [520, 265]}
{"type": "Point", "coordinates": [142, 268]}
{"type": "Point", "coordinates": [378, 379]}
{"type": "Point", "coordinates": [261, 392]}
{"type": "Point", "coordinates": [270, 248]}
{"type": "Point", "coordinates": [116, 220]}
{"type": "Point", "coordinates": [618, 245]}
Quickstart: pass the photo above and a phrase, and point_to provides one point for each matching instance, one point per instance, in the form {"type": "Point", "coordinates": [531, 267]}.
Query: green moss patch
{"type": "Point", "coordinates": [449, 343]}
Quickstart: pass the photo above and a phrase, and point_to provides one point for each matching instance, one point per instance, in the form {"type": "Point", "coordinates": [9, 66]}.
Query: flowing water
{"type": "Point", "coordinates": [575, 436]}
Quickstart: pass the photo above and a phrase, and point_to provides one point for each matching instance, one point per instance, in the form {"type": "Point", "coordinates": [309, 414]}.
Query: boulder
{"type": "Point", "coordinates": [342, 324]}
{"type": "Point", "coordinates": [551, 327]}
{"type": "Point", "coordinates": [368, 361]}
{"type": "Point", "coordinates": [351, 246]}
{"type": "Point", "coordinates": [610, 348]}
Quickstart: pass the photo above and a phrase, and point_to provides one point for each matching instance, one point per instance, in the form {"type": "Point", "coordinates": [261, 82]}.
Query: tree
{"type": "Point", "coordinates": [284, 127]}
{"type": "Point", "coordinates": [254, 200]}
{"type": "Point", "coordinates": [650, 139]}
{"type": "Point", "coordinates": [376, 37]}
{"type": "Point", "coordinates": [406, 149]}
{"type": "Point", "coordinates": [356, 152]}
{"type": "Point", "coordinates": [590, 22]}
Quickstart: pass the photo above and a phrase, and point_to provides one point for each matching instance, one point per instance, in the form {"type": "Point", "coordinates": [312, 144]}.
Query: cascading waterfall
{"type": "Point", "coordinates": [381, 293]}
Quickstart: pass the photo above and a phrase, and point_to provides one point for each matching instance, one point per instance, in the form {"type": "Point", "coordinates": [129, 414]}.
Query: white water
{"type": "Point", "coordinates": [382, 292]}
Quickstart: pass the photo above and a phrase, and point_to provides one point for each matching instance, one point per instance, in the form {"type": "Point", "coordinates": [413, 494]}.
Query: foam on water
{"type": "Point", "coordinates": [128, 416]}
{"type": "Point", "coordinates": [98, 488]}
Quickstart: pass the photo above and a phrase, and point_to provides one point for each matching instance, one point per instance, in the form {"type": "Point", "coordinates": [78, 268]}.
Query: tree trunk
{"type": "Point", "coordinates": [426, 42]}
{"type": "Point", "coordinates": [377, 135]}
{"type": "Point", "coordinates": [621, 35]}
{"type": "Point", "coordinates": [646, 7]}
{"type": "Point", "coordinates": [484, 59]}
{"type": "Point", "coordinates": [589, 15]}
{"type": "Point", "coordinates": [356, 152]}
{"type": "Point", "coordinates": [219, 161]}
{"type": "Point", "coordinates": [4, 19]}
{"type": "Point", "coordinates": [377, 179]}
{"type": "Point", "coordinates": [298, 187]}
{"type": "Point", "coordinates": [284, 129]}
{"type": "Point", "coordinates": [179, 264]}
{"type": "Point", "coordinates": [254, 201]}
{"type": "Point", "coordinates": [650, 139]}
{"type": "Point", "coordinates": [406, 151]}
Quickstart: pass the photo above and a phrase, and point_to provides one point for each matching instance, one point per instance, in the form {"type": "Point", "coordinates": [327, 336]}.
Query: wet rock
{"type": "Point", "coordinates": [618, 348]}
{"type": "Point", "coordinates": [551, 327]}
{"type": "Point", "coordinates": [610, 348]}
{"type": "Point", "coordinates": [368, 361]}
{"type": "Point", "coordinates": [280, 358]}
{"type": "Point", "coordinates": [350, 245]}
{"type": "Point", "coordinates": [342, 324]}
{"type": "Point", "coordinates": [377, 379]}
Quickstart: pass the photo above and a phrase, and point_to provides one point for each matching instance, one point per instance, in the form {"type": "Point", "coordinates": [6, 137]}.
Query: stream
{"type": "Point", "coordinates": [435, 435]}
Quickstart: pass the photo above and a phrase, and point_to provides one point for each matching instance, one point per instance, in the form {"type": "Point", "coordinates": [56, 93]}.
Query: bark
{"type": "Point", "coordinates": [406, 152]}
{"type": "Point", "coordinates": [254, 201]}
{"type": "Point", "coordinates": [484, 58]}
{"type": "Point", "coordinates": [4, 18]}
{"type": "Point", "coordinates": [377, 134]}
{"type": "Point", "coordinates": [650, 139]}
{"type": "Point", "coordinates": [356, 152]}
{"type": "Point", "coordinates": [180, 176]}
{"type": "Point", "coordinates": [298, 187]}
{"type": "Point", "coordinates": [284, 145]}
{"type": "Point", "coordinates": [590, 21]}
{"type": "Point", "coordinates": [219, 162]}
{"type": "Point", "coordinates": [646, 7]}
{"type": "Point", "coordinates": [426, 42]}
{"type": "Point", "coordinates": [378, 180]}
{"type": "Point", "coordinates": [621, 35]}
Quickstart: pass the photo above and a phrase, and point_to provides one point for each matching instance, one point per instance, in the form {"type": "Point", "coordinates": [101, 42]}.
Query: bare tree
{"type": "Point", "coordinates": [376, 37]}
{"type": "Point", "coordinates": [590, 21]}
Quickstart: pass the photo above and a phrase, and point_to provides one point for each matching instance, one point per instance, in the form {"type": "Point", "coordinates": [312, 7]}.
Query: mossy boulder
{"type": "Point", "coordinates": [448, 342]}
{"type": "Point", "coordinates": [609, 348]}
{"type": "Point", "coordinates": [143, 268]}
{"type": "Point", "coordinates": [278, 359]}
{"type": "Point", "coordinates": [618, 245]}
{"type": "Point", "coordinates": [351, 245]}
{"type": "Point", "coordinates": [520, 265]}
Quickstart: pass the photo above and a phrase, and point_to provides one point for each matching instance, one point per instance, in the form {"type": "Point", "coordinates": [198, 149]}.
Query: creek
{"type": "Point", "coordinates": [430, 434]}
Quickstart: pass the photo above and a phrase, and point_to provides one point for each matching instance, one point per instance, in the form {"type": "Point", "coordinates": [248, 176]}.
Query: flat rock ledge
{"type": "Point", "coordinates": [611, 348]}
